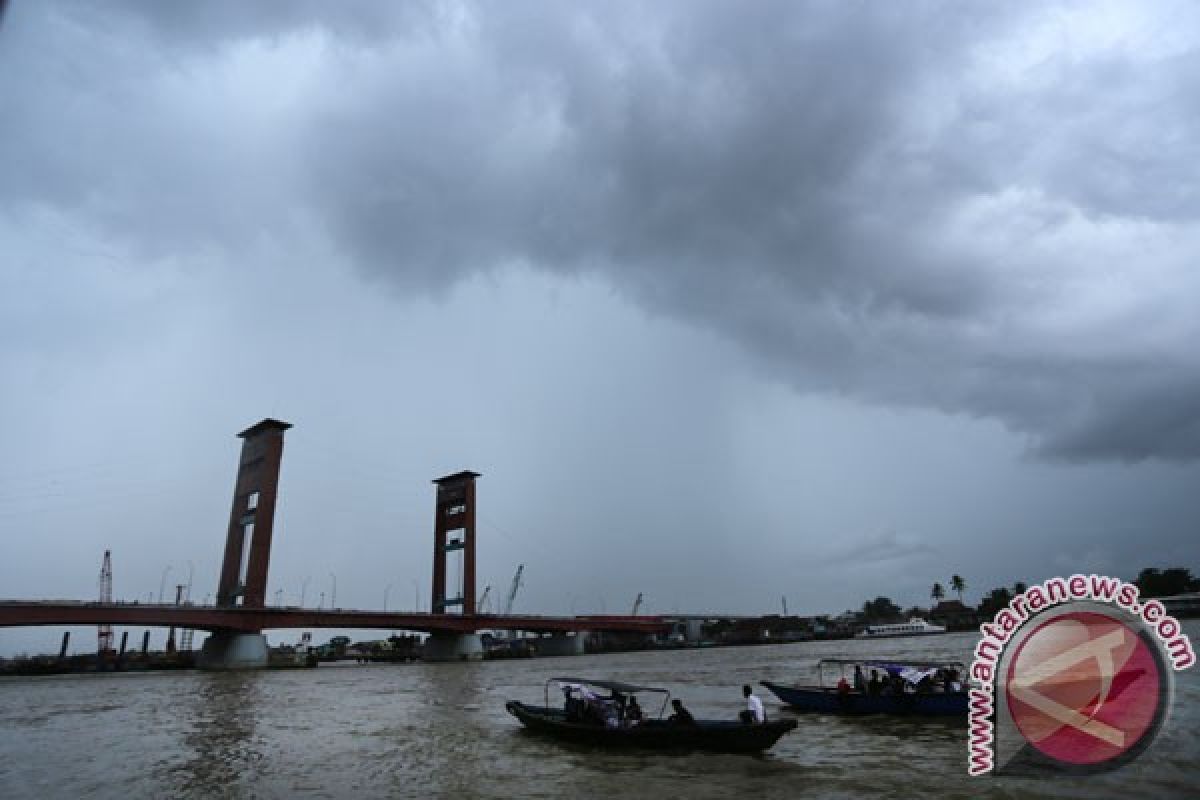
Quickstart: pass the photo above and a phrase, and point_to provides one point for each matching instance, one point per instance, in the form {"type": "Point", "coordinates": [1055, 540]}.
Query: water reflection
{"type": "Point", "coordinates": [221, 733]}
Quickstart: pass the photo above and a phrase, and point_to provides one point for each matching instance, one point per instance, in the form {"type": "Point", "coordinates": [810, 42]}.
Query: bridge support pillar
{"type": "Point", "coordinates": [453, 647]}
{"type": "Point", "coordinates": [229, 650]}
{"type": "Point", "coordinates": [561, 644]}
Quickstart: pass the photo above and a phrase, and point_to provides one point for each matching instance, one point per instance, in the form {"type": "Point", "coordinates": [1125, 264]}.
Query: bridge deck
{"type": "Point", "coordinates": [16, 613]}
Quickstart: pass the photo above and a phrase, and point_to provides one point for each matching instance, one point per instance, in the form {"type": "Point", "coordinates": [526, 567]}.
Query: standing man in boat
{"type": "Point", "coordinates": [754, 713]}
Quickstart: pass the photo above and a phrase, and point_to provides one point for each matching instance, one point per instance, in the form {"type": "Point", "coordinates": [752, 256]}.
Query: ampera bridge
{"type": "Point", "coordinates": [236, 621]}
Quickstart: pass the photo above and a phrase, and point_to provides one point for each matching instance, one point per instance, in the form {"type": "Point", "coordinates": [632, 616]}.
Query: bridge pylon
{"type": "Point", "coordinates": [252, 517]}
{"type": "Point", "coordinates": [247, 558]}
{"type": "Point", "coordinates": [454, 532]}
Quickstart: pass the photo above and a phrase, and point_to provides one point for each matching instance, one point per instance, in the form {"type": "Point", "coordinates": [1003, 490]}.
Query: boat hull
{"type": "Point", "coordinates": [828, 701]}
{"type": "Point", "coordinates": [712, 735]}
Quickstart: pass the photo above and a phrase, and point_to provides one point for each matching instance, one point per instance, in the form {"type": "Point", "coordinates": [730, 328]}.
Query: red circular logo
{"type": "Point", "coordinates": [1085, 688]}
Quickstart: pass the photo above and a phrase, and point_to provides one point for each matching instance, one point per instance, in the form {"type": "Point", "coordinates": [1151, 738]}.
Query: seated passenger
{"type": "Point", "coordinates": [860, 683]}
{"type": "Point", "coordinates": [611, 711]}
{"type": "Point", "coordinates": [874, 687]}
{"type": "Point", "coordinates": [681, 716]}
{"type": "Point", "coordinates": [595, 710]}
{"type": "Point", "coordinates": [843, 686]}
{"type": "Point", "coordinates": [633, 713]}
{"type": "Point", "coordinates": [570, 704]}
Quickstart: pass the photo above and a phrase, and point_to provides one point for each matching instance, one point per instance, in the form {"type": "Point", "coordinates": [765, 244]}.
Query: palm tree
{"type": "Point", "coordinates": [937, 593]}
{"type": "Point", "coordinates": [958, 584]}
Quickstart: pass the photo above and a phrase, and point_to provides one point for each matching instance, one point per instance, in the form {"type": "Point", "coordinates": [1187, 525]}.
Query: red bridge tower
{"type": "Point", "coordinates": [248, 544]}
{"type": "Point", "coordinates": [454, 530]}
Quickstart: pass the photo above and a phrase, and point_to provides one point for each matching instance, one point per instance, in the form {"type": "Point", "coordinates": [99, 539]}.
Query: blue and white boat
{"type": "Point", "coordinates": [901, 688]}
{"type": "Point", "coordinates": [914, 627]}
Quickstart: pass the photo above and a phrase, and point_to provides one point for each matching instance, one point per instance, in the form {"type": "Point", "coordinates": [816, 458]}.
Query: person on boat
{"type": "Point", "coordinates": [594, 708]}
{"type": "Point", "coordinates": [617, 702]}
{"type": "Point", "coordinates": [633, 713]}
{"type": "Point", "coordinates": [754, 713]}
{"type": "Point", "coordinates": [575, 703]}
{"type": "Point", "coordinates": [874, 686]}
{"type": "Point", "coordinates": [681, 716]}
{"type": "Point", "coordinates": [612, 709]}
{"type": "Point", "coordinates": [860, 683]}
{"type": "Point", "coordinates": [843, 687]}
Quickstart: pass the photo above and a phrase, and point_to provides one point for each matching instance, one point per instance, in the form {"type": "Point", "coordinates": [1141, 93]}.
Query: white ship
{"type": "Point", "coordinates": [914, 627]}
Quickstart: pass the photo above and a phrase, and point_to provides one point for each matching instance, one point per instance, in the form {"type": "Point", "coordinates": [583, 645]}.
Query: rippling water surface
{"type": "Point", "coordinates": [440, 730]}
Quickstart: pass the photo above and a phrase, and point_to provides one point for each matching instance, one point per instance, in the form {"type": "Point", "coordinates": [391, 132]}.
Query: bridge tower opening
{"type": "Point", "coordinates": [251, 520]}
{"type": "Point", "coordinates": [454, 533]}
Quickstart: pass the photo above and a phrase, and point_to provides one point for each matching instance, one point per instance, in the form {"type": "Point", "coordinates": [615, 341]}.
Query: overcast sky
{"type": "Point", "coordinates": [727, 301]}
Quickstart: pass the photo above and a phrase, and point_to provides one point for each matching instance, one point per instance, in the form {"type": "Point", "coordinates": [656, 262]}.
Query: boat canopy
{"type": "Point", "coordinates": [898, 667]}
{"type": "Point", "coordinates": [890, 666]}
{"type": "Point", "coordinates": [910, 671]}
{"type": "Point", "coordinates": [612, 686]}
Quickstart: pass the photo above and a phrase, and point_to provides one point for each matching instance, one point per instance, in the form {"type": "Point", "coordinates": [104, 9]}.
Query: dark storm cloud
{"type": "Point", "coordinates": [980, 210]}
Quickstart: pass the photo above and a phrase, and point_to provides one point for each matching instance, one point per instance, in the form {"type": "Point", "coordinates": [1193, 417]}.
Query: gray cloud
{"type": "Point", "coordinates": [983, 211]}
{"type": "Point", "coordinates": [879, 549]}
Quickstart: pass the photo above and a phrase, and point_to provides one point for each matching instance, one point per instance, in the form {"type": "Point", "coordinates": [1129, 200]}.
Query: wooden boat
{"type": "Point", "coordinates": [931, 700]}
{"type": "Point", "coordinates": [726, 736]}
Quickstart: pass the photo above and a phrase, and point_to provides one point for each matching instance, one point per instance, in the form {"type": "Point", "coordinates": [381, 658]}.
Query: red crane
{"type": "Point", "coordinates": [104, 633]}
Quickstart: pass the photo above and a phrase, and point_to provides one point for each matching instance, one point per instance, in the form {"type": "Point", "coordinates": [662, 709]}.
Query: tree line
{"type": "Point", "coordinates": [1151, 582]}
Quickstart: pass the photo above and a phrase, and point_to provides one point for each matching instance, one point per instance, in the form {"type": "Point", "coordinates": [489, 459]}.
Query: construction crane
{"type": "Point", "coordinates": [637, 604]}
{"type": "Point", "coordinates": [512, 592]}
{"type": "Point", "coordinates": [104, 633]}
{"type": "Point", "coordinates": [483, 599]}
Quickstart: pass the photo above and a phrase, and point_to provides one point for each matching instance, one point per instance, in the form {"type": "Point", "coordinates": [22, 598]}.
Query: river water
{"type": "Point", "coordinates": [440, 730]}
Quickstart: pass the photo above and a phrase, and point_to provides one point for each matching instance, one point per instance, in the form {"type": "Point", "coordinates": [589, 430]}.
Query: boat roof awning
{"type": "Point", "coordinates": [890, 665]}
{"type": "Point", "coordinates": [612, 686]}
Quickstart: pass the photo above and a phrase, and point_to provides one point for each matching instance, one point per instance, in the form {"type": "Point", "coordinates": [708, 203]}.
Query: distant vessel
{"type": "Point", "coordinates": [914, 627]}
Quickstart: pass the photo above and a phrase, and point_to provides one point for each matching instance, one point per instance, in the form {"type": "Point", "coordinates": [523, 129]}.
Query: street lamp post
{"type": "Point", "coordinates": [321, 605]}
{"type": "Point", "coordinates": [385, 595]}
{"type": "Point", "coordinates": [304, 590]}
{"type": "Point", "coordinates": [187, 595]}
{"type": "Point", "coordinates": [333, 594]}
{"type": "Point", "coordinates": [416, 595]}
{"type": "Point", "coordinates": [162, 584]}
